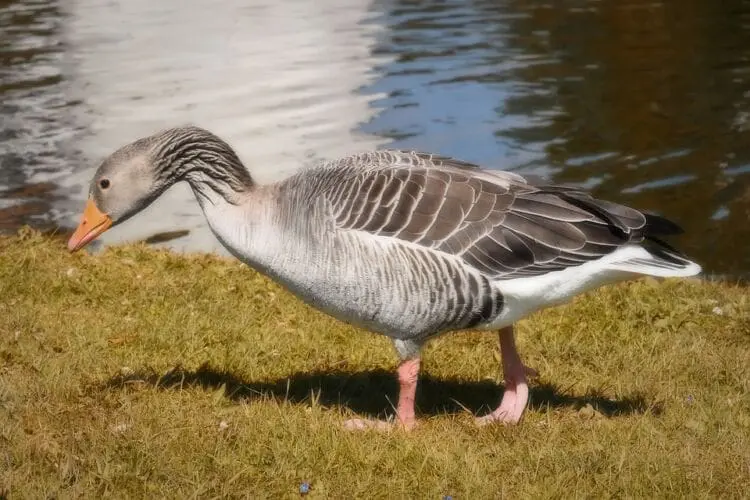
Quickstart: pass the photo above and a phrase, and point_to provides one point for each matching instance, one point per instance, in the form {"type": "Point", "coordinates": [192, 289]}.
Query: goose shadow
{"type": "Point", "coordinates": [373, 393]}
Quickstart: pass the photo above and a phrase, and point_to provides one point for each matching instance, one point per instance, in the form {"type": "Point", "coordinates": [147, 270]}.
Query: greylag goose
{"type": "Point", "coordinates": [405, 244]}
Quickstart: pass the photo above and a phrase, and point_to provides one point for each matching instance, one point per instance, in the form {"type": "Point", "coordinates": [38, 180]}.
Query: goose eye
{"type": "Point", "coordinates": [104, 183]}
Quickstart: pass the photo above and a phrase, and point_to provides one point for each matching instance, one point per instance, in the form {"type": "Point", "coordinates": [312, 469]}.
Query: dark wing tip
{"type": "Point", "coordinates": [656, 224]}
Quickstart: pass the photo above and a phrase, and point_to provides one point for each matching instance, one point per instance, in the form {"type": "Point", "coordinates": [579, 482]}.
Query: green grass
{"type": "Point", "coordinates": [139, 373]}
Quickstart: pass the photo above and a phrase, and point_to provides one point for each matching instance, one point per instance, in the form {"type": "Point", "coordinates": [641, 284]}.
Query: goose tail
{"type": "Point", "coordinates": [655, 257]}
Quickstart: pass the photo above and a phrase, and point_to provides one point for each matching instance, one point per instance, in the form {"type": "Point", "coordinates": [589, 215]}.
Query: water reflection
{"type": "Point", "coordinates": [34, 125]}
{"type": "Point", "coordinates": [659, 89]}
{"type": "Point", "coordinates": [644, 102]}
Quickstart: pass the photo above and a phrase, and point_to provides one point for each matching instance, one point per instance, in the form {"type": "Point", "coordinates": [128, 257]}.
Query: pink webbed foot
{"type": "Point", "coordinates": [408, 373]}
{"type": "Point", "coordinates": [516, 395]}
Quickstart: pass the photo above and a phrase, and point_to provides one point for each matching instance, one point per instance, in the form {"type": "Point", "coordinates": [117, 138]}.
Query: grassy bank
{"type": "Point", "coordinates": [141, 373]}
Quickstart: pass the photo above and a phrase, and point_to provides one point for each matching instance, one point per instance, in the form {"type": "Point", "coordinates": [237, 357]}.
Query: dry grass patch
{"type": "Point", "coordinates": [139, 373]}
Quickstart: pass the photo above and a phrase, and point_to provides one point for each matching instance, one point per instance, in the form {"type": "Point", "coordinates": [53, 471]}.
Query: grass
{"type": "Point", "coordinates": [139, 373]}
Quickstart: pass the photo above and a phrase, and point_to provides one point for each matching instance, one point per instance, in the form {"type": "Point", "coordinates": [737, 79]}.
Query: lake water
{"type": "Point", "coordinates": [644, 102]}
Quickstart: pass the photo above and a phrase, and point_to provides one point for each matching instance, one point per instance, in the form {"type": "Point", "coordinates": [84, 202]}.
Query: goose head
{"type": "Point", "coordinates": [132, 177]}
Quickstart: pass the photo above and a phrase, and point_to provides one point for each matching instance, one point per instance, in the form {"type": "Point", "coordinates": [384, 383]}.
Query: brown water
{"type": "Point", "coordinates": [646, 103]}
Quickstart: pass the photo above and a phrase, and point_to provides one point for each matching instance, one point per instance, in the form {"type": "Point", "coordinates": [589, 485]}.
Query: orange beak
{"type": "Point", "coordinates": [93, 223]}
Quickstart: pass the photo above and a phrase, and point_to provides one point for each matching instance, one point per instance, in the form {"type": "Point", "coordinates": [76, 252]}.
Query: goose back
{"type": "Point", "coordinates": [496, 222]}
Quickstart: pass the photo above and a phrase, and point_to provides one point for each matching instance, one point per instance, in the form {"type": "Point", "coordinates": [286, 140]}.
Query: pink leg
{"type": "Point", "coordinates": [516, 393]}
{"type": "Point", "coordinates": [408, 373]}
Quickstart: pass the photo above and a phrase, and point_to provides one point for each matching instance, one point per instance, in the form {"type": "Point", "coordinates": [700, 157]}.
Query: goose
{"type": "Point", "coordinates": [406, 244]}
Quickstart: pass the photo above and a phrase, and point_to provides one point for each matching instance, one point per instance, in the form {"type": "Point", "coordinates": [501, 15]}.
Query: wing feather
{"type": "Point", "coordinates": [495, 221]}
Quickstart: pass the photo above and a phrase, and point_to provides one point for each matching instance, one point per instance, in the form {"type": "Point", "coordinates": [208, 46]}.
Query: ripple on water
{"type": "Point", "coordinates": [643, 102]}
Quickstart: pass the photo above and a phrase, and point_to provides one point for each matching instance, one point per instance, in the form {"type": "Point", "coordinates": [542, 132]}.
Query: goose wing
{"type": "Point", "coordinates": [497, 222]}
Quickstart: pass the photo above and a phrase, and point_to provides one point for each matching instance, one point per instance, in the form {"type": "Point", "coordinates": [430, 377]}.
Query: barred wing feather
{"type": "Point", "coordinates": [497, 222]}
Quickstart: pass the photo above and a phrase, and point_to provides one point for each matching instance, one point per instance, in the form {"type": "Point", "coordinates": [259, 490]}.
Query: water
{"type": "Point", "coordinates": [644, 102]}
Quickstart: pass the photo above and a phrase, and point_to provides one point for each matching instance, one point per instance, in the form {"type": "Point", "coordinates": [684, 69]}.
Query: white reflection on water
{"type": "Point", "coordinates": [277, 80]}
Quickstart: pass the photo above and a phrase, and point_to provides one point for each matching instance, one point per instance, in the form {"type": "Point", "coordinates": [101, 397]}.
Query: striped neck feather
{"type": "Point", "coordinates": [204, 160]}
